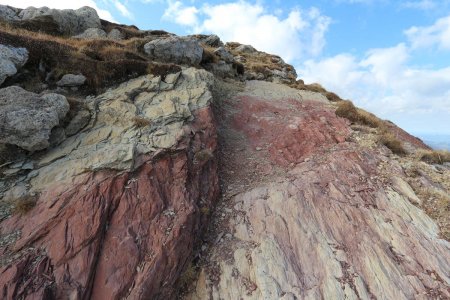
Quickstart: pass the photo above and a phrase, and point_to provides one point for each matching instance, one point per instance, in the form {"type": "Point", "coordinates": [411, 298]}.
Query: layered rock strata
{"type": "Point", "coordinates": [118, 205]}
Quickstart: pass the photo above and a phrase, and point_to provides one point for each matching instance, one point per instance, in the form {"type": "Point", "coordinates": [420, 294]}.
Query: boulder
{"type": "Point", "coordinates": [245, 49]}
{"type": "Point", "coordinates": [115, 34]}
{"type": "Point", "coordinates": [179, 50]}
{"type": "Point", "coordinates": [91, 33]}
{"type": "Point", "coordinates": [11, 59]}
{"type": "Point", "coordinates": [26, 119]}
{"type": "Point", "coordinates": [70, 21]}
{"type": "Point", "coordinates": [8, 13]}
{"type": "Point", "coordinates": [210, 40]}
{"type": "Point", "coordinates": [71, 80]}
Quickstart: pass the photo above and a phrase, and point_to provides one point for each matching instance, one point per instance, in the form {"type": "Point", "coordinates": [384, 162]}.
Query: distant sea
{"type": "Point", "coordinates": [436, 141]}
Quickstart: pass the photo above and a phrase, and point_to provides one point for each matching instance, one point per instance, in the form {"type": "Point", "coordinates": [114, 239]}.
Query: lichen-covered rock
{"type": "Point", "coordinates": [71, 80]}
{"type": "Point", "coordinates": [179, 50]}
{"type": "Point", "coordinates": [11, 59]}
{"type": "Point", "coordinates": [70, 21]}
{"type": "Point", "coordinates": [209, 40]}
{"type": "Point", "coordinates": [245, 49]}
{"type": "Point", "coordinates": [118, 205]}
{"type": "Point", "coordinates": [91, 33]}
{"type": "Point", "coordinates": [26, 119]}
{"type": "Point", "coordinates": [224, 54]}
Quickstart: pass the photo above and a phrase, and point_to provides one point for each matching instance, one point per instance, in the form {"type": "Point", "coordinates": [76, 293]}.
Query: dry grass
{"type": "Point", "coordinates": [434, 156]}
{"type": "Point", "coordinates": [103, 62]}
{"type": "Point", "coordinates": [437, 205]}
{"type": "Point", "coordinates": [141, 121]}
{"type": "Point", "coordinates": [209, 57]}
{"type": "Point", "coordinates": [24, 204]}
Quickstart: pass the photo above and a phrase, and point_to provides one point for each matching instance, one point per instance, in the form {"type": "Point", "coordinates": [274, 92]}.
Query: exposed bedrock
{"type": "Point", "coordinates": [118, 205]}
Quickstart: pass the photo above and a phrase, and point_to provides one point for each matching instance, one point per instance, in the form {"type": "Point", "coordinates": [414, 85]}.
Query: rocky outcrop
{"type": "Point", "coordinates": [179, 50]}
{"type": "Point", "coordinates": [26, 119]}
{"type": "Point", "coordinates": [11, 59]}
{"type": "Point", "coordinates": [8, 13]}
{"type": "Point", "coordinates": [116, 34]}
{"type": "Point", "coordinates": [69, 21]}
{"type": "Point", "coordinates": [308, 213]}
{"type": "Point", "coordinates": [118, 205]}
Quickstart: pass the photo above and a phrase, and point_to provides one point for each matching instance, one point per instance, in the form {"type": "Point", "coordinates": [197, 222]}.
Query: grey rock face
{"type": "Point", "coordinates": [11, 59]}
{"type": "Point", "coordinates": [211, 40]}
{"type": "Point", "coordinates": [80, 120]}
{"type": "Point", "coordinates": [180, 50]}
{"type": "Point", "coordinates": [91, 33]}
{"type": "Point", "coordinates": [115, 34]}
{"type": "Point", "coordinates": [8, 13]}
{"type": "Point", "coordinates": [70, 21]}
{"type": "Point", "coordinates": [70, 80]}
{"type": "Point", "coordinates": [26, 119]}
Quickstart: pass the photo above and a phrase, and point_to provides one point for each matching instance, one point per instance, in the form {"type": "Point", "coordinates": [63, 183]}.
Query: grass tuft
{"type": "Point", "coordinates": [434, 156]}
{"type": "Point", "coordinates": [24, 204]}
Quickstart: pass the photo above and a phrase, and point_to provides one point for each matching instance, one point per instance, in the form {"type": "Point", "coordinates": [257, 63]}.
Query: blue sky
{"type": "Point", "coordinates": [390, 57]}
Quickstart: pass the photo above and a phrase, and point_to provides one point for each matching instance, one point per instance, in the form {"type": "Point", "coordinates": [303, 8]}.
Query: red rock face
{"type": "Point", "coordinates": [115, 235]}
{"type": "Point", "coordinates": [290, 129]}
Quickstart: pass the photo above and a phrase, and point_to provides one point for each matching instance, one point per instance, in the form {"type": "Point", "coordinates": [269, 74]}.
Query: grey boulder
{"type": "Point", "coordinates": [224, 54]}
{"type": "Point", "coordinates": [179, 50]}
{"type": "Point", "coordinates": [27, 119]}
{"type": "Point", "coordinates": [69, 21]}
{"type": "Point", "coordinates": [11, 59]}
{"type": "Point", "coordinates": [115, 34]}
{"type": "Point", "coordinates": [245, 49]}
{"type": "Point", "coordinates": [91, 33]}
{"type": "Point", "coordinates": [71, 80]}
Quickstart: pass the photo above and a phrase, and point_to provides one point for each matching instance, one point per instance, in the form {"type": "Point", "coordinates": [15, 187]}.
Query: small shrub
{"type": "Point", "coordinates": [208, 56]}
{"type": "Point", "coordinates": [347, 110]}
{"type": "Point", "coordinates": [389, 140]}
{"type": "Point", "coordinates": [434, 156]}
{"type": "Point", "coordinates": [332, 97]}
{"type": "Point", "coordinates": [203, 156]}
{"type": "Point", "coordinates": [24, 204]}
{"type": "Point", "coordinates": [188, 276]}
{"type": "Point", "coordinates": [141, 121]}
{"type": "Point", "coordinates": [204, 210]}
{"type": "Point", "coordinates": [369, 119]}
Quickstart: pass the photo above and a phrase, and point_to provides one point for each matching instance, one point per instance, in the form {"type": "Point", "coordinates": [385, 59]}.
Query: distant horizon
{"type": "Point", "coordinates": [398, 69]}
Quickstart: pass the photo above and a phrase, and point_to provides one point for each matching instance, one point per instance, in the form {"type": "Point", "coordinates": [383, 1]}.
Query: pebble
{"type": "Point", "coordinates": [258, 148]}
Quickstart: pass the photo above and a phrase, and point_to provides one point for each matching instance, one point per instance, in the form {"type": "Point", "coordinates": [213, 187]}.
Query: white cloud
{"type": "Point", "coordinates": [60, 4]}
{"type": "Point", "coordinates": [383, 82]}
{"type": "Point", "coordinates": [437, 34]}
{"type": "Point", "coordinates": [301, 33]}
{"type": "Point", "coordinates": [178, 13]}
{"type": "Point", "coordinates": [123, 9]}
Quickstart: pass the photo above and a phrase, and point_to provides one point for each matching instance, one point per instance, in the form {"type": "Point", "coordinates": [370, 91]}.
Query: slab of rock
{"type": "Point", "coordinates": [11, 59]}
{"type": "Point", "coordinates": [26, 119]}
{"type": "Point", "coordinates": [118, 211]}
{"type": "Point", "coordinates": [318, 216]}
{"type": "Point", "coordinates": [91, 33]}
{"type": "Point", "coordinates": [70, 21]}
{"type": "Point", "coordinates": [71, 80]}
{"type": "Point", "coordinates": [179, 50]}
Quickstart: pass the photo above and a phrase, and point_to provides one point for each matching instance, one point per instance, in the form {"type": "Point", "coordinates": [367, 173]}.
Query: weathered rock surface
{"type": "Point", "coordinates": [117, 205]}
{"type": "Point", "coordinates": [91, 33]}
{"type": "Point", "coordinates": [69, 21]}
{"type": "Point", "coordinates": [11, 59]}
{"type": "Point", "coordinates": [307, 213]}
{"type": "Point", "coordinates": [70, 80]}
{"type": "Point", "coordinates": [8, 13]}
{"type": "Point", "coordinates": [26, 119]}
{"type": "Point", "coordinates": [179, 50]}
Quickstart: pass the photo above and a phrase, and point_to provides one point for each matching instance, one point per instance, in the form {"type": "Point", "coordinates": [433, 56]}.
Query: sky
{"type": "Point", "coordinates": [389, 57]}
